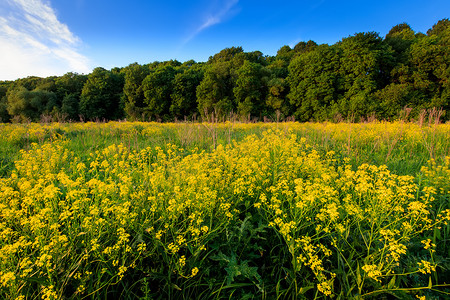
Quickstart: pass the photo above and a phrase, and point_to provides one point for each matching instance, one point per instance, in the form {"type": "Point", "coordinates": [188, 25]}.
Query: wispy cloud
{"type": "Point", "coordinates": [216, 17]}
{"type": "Point", "coordinates": [34, 42]}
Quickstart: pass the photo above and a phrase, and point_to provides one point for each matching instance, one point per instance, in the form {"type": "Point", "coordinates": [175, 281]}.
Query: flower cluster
{"type": "Point", "coordinates": [75, 223]}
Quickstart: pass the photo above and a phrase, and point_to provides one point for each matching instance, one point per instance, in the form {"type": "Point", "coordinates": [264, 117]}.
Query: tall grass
{"type": "Point", "coordinates": [403, 147]}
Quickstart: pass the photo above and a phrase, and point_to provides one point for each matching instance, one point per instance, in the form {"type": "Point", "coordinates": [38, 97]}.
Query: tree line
{"type": "Point", "coordinates": [361, 75]}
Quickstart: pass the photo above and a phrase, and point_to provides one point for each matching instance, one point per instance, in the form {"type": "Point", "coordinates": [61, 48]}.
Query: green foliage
{"type": "Point", "coordinates": [365, 62]}
{"type": "Point", "coordinates": [398, 29]}
{"type": "Point", "coordinates": [250, 88]}
{"type": "Point", "coordinates": [278, 68]}
{"type": "Point", "coordinates": [47, 84]}
{"type": "Point", "coordinates": [69, 106]}
{"type": "Point", "coordinates": [4, 115]}
{"type": "Point", "coordinates": [132, 90]}
{"type": "Point", "coordinates": [226, 54]}
{"type": "Point", "coordinates": [277, 96]}
{"type": "Point", "coordinates": [392, 99]}
{"type": "Point", "coordinates": [313, 81]}
{"type": "Point", "coordinates": [440, 28]}
{"type": "Point", "coordinates": [277, 86]}
{"type": "Point", "coordinates": [285, 53]}
{"type": "Point", "coordinates": [400, 38]}
{"type": "Point", "coordinates": [30, 83]}
{"type": "Point", "coordinates": [100, 97]}
{"type": "Point", "coordinates": [430, 63]}
{"type": "Point", "coordinates": [256, 57]}
{"type": "Point", "coordinates": [302, 47]}
{"type": "Point", "coordinates": [157, 88]}
{"type": "Point", "coordinates": [215, 91]}
{"type": "Point", "coordinates": [70, 83]}
{"type": "Point", "coordinates": [423, 77]}
{"type": "Point", "coordinates": [30, 105]}
{"type": "Point", "coordinates": [68, 92]}
{"type": "Point", "coordinates": [184, 94]}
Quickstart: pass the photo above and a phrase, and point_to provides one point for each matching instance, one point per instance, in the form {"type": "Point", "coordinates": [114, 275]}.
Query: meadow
{"type": "Point", "coordinates": [135, 210]}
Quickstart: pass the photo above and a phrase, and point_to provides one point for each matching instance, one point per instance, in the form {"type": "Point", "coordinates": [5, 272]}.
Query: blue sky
{"type": "Point", "coordinates": [52, 37]}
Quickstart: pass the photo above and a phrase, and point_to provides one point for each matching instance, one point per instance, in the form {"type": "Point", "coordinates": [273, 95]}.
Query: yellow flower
{"type": "Point", "coordinates": [194, 271]}
{"type": "Point", "coordinates": [7, 278]}
{"type": "Point", "coordinates": [428, 245]}
{"type": "Point", "coordinates": [122, 270]}
{"type": "Point", "coordinates": [372, 272]}
{"type": "Point", "coordinates": [325, 287]}
{"type": "Point", "coordinates": [182, 261]}
{"type": "Point", "coordinates": [48, 293]}
{"type": "Point", "coordinates": [426, 267]}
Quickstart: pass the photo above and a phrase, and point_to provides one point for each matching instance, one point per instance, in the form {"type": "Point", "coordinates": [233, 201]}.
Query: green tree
{"type": "Point", "coordinates": [398, 29]}
{"type": "Point", "coordinates": [70, 106]}
{"type": "Point", "coordinates": [30, 105]}
{"type": "Point", "coordinates": [215, 91]}
{"type": "Point", "coordinates": [439, 28]}
{"type": "Point", "coordinates": [101, 94]}
{"type": "Point", "coordinates": [184, 97]}
{"type": "Point", "coordinates": [47, 84]}
{"type": "Point", "coordinates": [392, 99]}
{"type": "Point", "coordinates": [279, 64]}
{"type": "Point", "coordinates": [278, 68]}
{"type": "Point", "coordinates": [250, 89]}
{"type": "Point", "coordinates": [4, 115]}
{"type": "Point", "coordinates": [225, 55]}
{"type": "Point", "coordinates": [29, 83]}
{"type": "Point", "coordinates": [430, 65]}
{"type": "Point", "coordinates": [68, 92]}
{"type": "Point", "coordinates": [421, 80]}
{"type": "Point", "coordinates": [277, 86]}
{"type": "Point", "coordinates": [313, 81]}
{"type": "Point", "coordinates": [157, 88]}
{"type": "Point", "coordinates": [189, 63]}
{"type": "Point", "coordinates": [285, 54]}
{"type": "Point", "coordinates": [276, 98]}
{"type": "Point", "coordinates": [256, 57]}
{"type": "Point", "coordinates": [19, 103]}
{"type": "Point", "coordinates": [173, 63]}
{"type": "Point", "coordinates": [400, 38]}
{"type": "Point", "coordinates": [302, 47]}
{"type": "Point", "coordinates": [70, 83]}
{"type": "Point", "coordinates": [365, 65]}
{"type": "Point", "coordinates": [134, 95]}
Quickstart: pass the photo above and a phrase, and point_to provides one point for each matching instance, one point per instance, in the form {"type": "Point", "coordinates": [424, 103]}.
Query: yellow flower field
{"type": "Point", "coordinates": [209, 211]}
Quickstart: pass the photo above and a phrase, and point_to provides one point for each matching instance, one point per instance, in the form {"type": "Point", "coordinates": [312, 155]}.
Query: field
{"type": "Point", "coordinates": [224, 210]}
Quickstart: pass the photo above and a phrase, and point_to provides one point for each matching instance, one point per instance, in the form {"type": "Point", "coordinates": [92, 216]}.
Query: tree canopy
{"type": "Point", "coordinates": [361, 75]}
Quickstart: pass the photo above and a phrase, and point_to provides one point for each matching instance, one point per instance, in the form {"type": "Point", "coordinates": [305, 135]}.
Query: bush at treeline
{"type": "Point", "coordinates": [360, 76]}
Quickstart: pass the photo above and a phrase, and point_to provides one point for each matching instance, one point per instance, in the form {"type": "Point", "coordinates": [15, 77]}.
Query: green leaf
{"type": "Point", "coordinates": [304, 289]}
{"type": "Point", "coordinates": [358, 275]}
{"type": "Point", "coordinates": [391, 283]}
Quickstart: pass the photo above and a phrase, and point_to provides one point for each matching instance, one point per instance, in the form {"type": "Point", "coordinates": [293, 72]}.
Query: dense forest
{"type": "Point", "coordinates": [362, 76]}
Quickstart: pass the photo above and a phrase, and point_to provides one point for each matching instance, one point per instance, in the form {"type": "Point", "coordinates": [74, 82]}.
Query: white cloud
{"type": "Point", "coordinates": [35, 43]}
{"type": "Point", "coordinates": [214, 18]}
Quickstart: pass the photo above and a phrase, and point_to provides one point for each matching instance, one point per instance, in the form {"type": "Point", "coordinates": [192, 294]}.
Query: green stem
{"type": "Point", "coordinates": [405, 289]}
